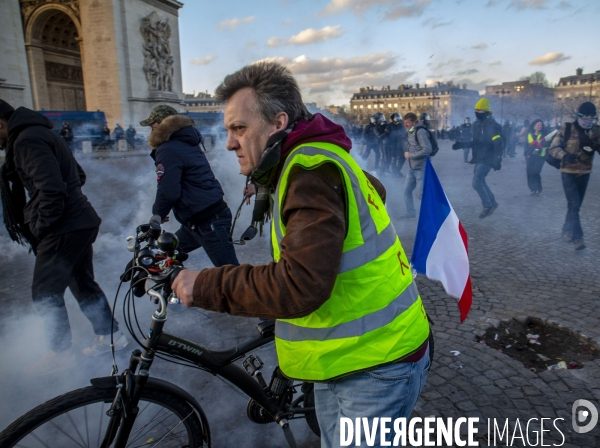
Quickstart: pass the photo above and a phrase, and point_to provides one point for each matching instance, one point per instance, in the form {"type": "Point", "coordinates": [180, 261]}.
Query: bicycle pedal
{"type": "Point", "coordinates": [253, 364]}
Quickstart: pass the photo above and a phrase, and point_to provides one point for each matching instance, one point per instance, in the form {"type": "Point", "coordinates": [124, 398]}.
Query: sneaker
{"type": "Point", "coordinates": [494, 207]}
{"type": "Point", "coordinates": [51, 362]}
{"type": "Point", "coordinates": [485, 212]}
{"type": "Point", "coordinates": [566, 236]}
{"type": "Point", "coordinates": [578, 244]}
{"type": "Point", "coordinates": [102, 344]}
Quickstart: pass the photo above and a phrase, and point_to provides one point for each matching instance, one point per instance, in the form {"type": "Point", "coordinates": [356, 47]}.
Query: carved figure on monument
{"type": "Point", "coordinates": [158, 62]}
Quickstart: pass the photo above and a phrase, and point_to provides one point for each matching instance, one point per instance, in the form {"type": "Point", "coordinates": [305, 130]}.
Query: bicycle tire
{"type": "Point", "coordinates": [43, 417]}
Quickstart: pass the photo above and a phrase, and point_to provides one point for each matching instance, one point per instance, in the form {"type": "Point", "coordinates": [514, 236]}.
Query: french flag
{"type": "Point", "coordinates": [441, 250]}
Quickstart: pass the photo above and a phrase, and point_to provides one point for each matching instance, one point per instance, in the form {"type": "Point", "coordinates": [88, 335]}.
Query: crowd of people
{"type": "Point", "coordinates": [334, 285]}
{"type": "Point", "coordinates": [484, 144]}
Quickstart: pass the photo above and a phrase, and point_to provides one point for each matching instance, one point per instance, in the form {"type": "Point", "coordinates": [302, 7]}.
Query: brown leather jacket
{"type": "Point", "coordinates": [314, 211]}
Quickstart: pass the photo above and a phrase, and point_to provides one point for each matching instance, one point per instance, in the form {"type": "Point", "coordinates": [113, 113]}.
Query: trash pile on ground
{"type": "Point", "coordinates": [539, 345]}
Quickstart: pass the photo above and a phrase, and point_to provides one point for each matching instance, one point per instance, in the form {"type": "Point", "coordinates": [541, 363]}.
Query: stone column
{"type": "Point", "coordinates": [100, 60]}
{"type": "Point", "coordinates": [37, 73]}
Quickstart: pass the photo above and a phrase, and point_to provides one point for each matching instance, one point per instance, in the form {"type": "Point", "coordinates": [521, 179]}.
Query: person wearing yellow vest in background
{"type": "Point", "coordinates": [535, 154]}
{"type": "Point", "coordinates": [349, 316]}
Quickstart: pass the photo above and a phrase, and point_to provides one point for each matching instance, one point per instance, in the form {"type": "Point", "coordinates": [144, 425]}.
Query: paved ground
{"type": "Point", "coordinates": [520, 267]}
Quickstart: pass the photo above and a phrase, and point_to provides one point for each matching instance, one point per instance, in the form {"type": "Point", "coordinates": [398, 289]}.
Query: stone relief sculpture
{"type": "Point", "coordinates": [158, 62]}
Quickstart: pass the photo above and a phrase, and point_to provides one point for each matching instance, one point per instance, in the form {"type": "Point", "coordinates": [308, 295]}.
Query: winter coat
{"type": "Point", "coordinates": [185, 181]}
{"type": "Point", "coordinates": [466, 132]}
{"type": "Point", "coordinates": [396, 137]}
{"type": "Point", "coordinates": [369, 133]}
{"type": "Point", "coordinates": [578, 139]}
{"type": "Point", "coordinates": [51, 176]}
{"type": "Point", "coordinates": [418, 146]}
{"type": "Point", "coordinates": [487, 143]}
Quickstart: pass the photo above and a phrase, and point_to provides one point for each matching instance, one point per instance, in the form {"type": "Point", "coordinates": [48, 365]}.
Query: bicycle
{"type": "Point", "coordinates": [134, 409]}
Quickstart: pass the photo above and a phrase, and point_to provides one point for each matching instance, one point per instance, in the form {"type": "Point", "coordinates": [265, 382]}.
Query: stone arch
{"type": "Point", "coordinates": [55, 58]}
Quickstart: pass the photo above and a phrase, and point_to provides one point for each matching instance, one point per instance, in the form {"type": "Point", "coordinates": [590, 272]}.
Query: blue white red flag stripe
{"type": "Point", "coordinates": [441, 244]}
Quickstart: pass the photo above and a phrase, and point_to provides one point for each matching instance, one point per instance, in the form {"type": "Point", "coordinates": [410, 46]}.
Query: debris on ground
{"type": "Point", "coordinates": [539, 345]}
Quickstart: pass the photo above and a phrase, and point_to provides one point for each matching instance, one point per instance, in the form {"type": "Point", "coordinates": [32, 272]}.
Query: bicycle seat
{"type": "Point", "coordinates": [266, 328]}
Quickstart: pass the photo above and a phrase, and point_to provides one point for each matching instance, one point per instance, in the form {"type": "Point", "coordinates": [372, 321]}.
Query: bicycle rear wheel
{"type": "Point", "coordinates": [78, 419]}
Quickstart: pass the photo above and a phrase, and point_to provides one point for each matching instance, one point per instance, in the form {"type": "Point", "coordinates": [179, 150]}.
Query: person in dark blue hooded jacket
{"type": "Point", "coordinates": [187, 185]}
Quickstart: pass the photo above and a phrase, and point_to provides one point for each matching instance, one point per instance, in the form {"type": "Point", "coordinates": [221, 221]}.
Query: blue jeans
{"type": "Point", "coordinates": [388, 391]}
{"type": "Point", "coordinates": [487, 197]}
{"type": "Point", "coordinates": [574, 186]}
{"type": "Point", "coordinates": [213, 236]}
{"type": "Point", "coordinates": [414, 179]}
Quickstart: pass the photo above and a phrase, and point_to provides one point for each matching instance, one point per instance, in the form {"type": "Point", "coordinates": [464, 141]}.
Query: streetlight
{"type": "Point", "coordinates": [502, 93]}
{"type": "Point", "coordinates": [433, 97]}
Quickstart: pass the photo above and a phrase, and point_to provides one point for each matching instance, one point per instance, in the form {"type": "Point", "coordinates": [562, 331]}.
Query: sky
{"type": "Point", "coordinates": [334, 47]}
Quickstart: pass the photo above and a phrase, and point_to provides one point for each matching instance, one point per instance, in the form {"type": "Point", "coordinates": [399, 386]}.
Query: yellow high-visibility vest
{"type": "Point", "coordinates": [374, 315]}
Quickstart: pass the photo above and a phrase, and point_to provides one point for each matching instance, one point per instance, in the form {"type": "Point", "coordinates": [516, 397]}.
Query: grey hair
{"type": "Point", "coordinates": [274, 87]}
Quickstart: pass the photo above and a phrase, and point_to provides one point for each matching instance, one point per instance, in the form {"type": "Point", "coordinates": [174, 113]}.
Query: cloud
{"type": "Point", "coordinates": [480, 46]}
{"type": "Point", "coordinates": [308, 36]}
{"type": "Point", "coordinates": [550, 58]}
{"type": "Point", "coordinates": [492, 64]}
{"type": "Point", "coordinates": [434, 23]}
{"type": "Point", "coordinates": [235, 22]}
{"type": "Point", "coordinates": [339, 77]}
{"type": "Point", "coordinates": [391, 9]}
{"type": "Point", "coordinates": [452, 62]}
{"type": "Point", "coordinates": [251, 43]}
{"type": "Point", "coordinates": [524, 4]}
{"type": "Point", "coordinates": [203, 61]}
{"type": "Point", "coordinates": [275, 41]}
{"type": "Point", "coordinates": [467, 72]}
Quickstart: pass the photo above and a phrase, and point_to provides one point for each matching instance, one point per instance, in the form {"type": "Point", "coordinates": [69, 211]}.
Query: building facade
{"type": "Point", "coordinates": [446, 104]}
{"type": "Point", "coordinates": [516, 101]}
{"type": "Point", "coordinates": [571, 91]}
{"type": "Point", "coordinates": [118, 56]}
{"type": "Point", "coordinates": [202, 102]}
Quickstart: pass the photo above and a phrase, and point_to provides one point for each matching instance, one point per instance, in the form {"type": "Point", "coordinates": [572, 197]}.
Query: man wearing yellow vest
{"type": "Point", "coordinates": [349, 316]}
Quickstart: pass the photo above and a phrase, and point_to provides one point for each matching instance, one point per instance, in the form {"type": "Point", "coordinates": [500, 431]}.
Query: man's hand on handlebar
{"type": "Point", "coordinates": [184, 286]}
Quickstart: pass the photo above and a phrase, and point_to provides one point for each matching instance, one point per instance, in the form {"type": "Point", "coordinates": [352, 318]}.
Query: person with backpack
{"type": "Point", "coordinates": [535, 153]}
{"type": "Point", "coordinates": [418, 148]}
{"type": "Point", "coordinates": [574, 146]}
{"type": "Point", "coordinates": [487, 146]}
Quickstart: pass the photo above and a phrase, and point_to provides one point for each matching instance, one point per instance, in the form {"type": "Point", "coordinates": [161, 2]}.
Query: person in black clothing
{"type": "Point", "coordinates": [382, 143]}
{"type": "Point", "coordinates": [370, 140]}
{"type": "Point", "coordinates": [105, 142]}
{"type": "Point", "coordinates": [396, 142]}
{"type": "Point", "coordinates": [118, 133]}
{"type": "Point", "coordinates": [60, 225]}
{"type": "Point", "coordinates": [187, 185]}
{"type": "Point", "coordinates": [130, 136]}
{"type": "Point", "coordinates": [487, 148]}
{"type": "Point", "coordinates": [466, 135]}
{"type": "Point", "coordinates": [67, 133]}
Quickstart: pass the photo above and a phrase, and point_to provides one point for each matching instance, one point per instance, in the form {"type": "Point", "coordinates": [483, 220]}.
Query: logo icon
{"type": "Point", "coordinates": [580, 416]}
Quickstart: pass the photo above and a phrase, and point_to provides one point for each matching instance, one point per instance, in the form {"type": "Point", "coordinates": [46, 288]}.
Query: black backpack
{"type": "Point", "coordinates": [550, 159]}
{"type": "Point", "coordinates": [434, 144]}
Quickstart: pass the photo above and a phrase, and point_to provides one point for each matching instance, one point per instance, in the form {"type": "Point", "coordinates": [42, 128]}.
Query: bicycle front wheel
{"type": "Point", "coordinates": [78, 419]}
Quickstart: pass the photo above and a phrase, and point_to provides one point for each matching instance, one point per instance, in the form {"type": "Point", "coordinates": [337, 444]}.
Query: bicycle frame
{"type": "Point", "coordinates": [215, 362]}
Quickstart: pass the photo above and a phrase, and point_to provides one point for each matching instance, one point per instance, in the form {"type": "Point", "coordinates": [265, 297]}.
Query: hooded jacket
{"type": "Point", "coordinates": [185, 181]}
{"type": "Point", "coordinates": [315, 214]}
{"type": "Point", "coordinates": [418, 146]}
{"type": "Point", "coordinates": [51, 176]}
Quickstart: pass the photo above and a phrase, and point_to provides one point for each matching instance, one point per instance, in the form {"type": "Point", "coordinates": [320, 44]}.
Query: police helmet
{"type": "Point", "coordinates": [424, 116]}
{"type": "Point", "coordinates": [395, 117]}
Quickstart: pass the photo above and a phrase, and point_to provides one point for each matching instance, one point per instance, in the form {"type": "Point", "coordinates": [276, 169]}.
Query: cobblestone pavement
{"type": "Point", "coordinates": [520, 267]}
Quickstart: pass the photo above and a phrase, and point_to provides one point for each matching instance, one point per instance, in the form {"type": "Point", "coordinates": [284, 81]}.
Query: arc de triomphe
{"type": "Point", "coordinates": [117, 56]}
